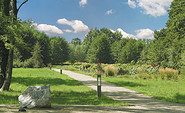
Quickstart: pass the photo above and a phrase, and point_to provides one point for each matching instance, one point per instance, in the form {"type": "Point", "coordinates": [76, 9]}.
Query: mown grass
{"type": "Point", "coordinates": [64, 90]}
{"type": "Point", "coordinates": [171, 91]}
{"type": "Point", "coordinates": [167, 90]}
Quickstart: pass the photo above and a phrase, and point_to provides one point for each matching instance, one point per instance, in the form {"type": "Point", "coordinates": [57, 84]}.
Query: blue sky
{"type": "Point", "coordinates": [74, 18]}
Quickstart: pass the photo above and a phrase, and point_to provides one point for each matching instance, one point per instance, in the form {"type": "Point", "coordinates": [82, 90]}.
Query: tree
{"type": "Point", "coordinates": [100, 50]}
{"type": "Point", "coordinates": [116, 48]}
{"type": "Point", "coordinates": [168, 45]}
{"type": "Point", "coordinates": [29, 36]}
{"type": "Point", "coordinates": [76, 41]}
{"type": "Point", "coordinates": [175, 31]}
{"type": "Point", "coordinates": [131, 51]}
{"type": "Point", "coordinates": [9, 8]}
{"type": "Point", "coordinates": [59, 50]}
{"type": "Point", "coordinates": [77, 53]}
{"type": "Point", "coordinates": [37, 56]}
{"type": "Point", "coordinates": [110, 35]}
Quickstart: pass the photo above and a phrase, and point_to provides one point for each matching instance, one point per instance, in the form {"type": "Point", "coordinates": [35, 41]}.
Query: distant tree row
{"type": "Point", "coordinates": [38, 50]}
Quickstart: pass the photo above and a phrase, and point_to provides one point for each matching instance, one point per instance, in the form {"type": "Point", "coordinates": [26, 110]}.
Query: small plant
{"type": "Point", "coordinates": [110, 70]}
{"type": "Point", "coordinates": [168, 73]}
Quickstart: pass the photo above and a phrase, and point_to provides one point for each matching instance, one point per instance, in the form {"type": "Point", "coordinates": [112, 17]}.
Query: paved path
{"type": "Point", "coordinates": [142, 103]}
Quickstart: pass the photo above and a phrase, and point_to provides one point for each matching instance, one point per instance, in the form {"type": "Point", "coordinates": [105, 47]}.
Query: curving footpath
{"type": "Point", "coordinates": [142, 103]}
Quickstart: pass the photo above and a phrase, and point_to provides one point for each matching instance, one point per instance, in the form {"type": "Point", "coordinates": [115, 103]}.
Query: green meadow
{"type": "Point", "coordinates": [64, 90]}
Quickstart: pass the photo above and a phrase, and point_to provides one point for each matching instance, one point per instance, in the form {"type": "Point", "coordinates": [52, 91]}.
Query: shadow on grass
{"type": "Point", "coordinates": [80, 98]}
{"type": "Point", "coordinates": [6, 99]}
{"type": "Point", "coordinates": [123, 83]}
{"type": "Point", "coordinates": [31, 81]}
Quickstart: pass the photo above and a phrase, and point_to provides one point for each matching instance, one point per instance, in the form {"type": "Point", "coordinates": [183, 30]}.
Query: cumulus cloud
{"type": "Point", "coordinates": [124, 34]}
{"type": "Point", "coordinates": [77, 25]}
{"type": "Point", "coordinates": [144, 34]}
{"type": "Point", "coordinates": [68, 30]}
{"type": "Point", "coordinates": [151, 7]}
{"type": "Point", "coordinates": [109, 12]}
{"type": "Point", "coordinates": [140, 34]}
{"type": "Point", "coordinates": [83, 3]}
{"type": "Point", "coordinates": [49, 29]}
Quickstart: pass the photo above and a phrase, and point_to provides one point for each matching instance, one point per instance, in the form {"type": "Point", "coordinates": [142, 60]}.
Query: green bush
{"type": "Point", "coordinates": [122, 71]}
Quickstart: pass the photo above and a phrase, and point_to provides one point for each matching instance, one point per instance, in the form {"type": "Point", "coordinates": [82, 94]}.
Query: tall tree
{"type": "Point", "coordinates": [9, 8]}
{"type": "Point", "coordinates": [59, 50]}
{"type": "Point", "coordinates": [100, 50]}
{"type": "Point", "coordinates": [37, 56]}
{"type": "Point", "coordinates": [131, 51]}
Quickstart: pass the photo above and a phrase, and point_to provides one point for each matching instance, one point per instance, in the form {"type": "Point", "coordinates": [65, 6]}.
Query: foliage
{"type": "Point", "coordinates": [29, 36]}
{"type": "Point", "coordinates": [168, 45]}
{"type": "Point", "coordinates": [131, 51]}
{"type": "Point", "coordinates": [76, 41]}
{"type": "Point", "coordinates": [99, 50]}
{"type": "Point", "coordinates": [77, 53]}
{"type": "Point", "coordinates": [37, 56]}
{"type": "Point", "coordinates": [59, 50]}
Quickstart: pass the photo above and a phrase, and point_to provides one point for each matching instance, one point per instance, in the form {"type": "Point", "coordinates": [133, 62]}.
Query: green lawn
{"type": "Point", "coordinates": [172, 91]}
{"type": "Point", "coordinates": [64, 90]}
{"type": "Point", "coordinates": [165, 90]}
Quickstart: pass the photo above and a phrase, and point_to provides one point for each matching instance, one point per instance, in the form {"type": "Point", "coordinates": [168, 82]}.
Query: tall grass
{"type": "Point", "coordinates": [110, 70]}
{"type": "Point", "coordinates": [169, 73]}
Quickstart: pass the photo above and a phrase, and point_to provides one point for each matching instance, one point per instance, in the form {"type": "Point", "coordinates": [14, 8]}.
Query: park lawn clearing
{"type": "Point", "coordinates": [172, 91]}
{"type": "Point", "coordinates": [64, 90]}
{"type": "Point", "coordinates": [167, 90]}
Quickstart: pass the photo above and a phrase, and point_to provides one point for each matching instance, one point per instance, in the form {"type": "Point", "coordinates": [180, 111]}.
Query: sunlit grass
{"type": "Point", "coordinates": [64, 90]}
{"type": "Point", "coordinates": [167, 90]}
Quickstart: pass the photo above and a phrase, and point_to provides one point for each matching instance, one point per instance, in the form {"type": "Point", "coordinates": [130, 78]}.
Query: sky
{"type": "Point", "coordinates": [71, 19]}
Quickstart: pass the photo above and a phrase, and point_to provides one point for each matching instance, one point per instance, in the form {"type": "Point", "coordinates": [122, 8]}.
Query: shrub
{"type": "Point", "coordinates": [110, 70]}
{"type": "Point", "coordinates": [122, 71]}
{"type": "Point", "coordinates": [169, 73]}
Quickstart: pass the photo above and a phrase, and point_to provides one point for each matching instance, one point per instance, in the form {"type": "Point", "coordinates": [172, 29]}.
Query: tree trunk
{"type": "Point", "coordinates": [3, 62]}
{"type": "Point", "coordinates": [9, 4]}
{"type": "Point", "coordinates": [7, 81]}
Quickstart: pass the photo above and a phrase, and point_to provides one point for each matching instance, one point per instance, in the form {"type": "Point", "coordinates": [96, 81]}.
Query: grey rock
{"type": "Point", "coordinates": [36, 96]}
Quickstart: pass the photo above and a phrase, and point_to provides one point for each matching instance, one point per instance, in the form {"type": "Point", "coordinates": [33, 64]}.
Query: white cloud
{"type": "Point", "coordinates": [145, 34]}
{"type": "Point", "coordinates": [49, 29]}
{"type": "Point", "coordinates": [83, 3]}
{"type": "Point", "coordinates": [68, 30]}
{"type": "Point", "coordinates": [132, 4]}
{"type": "Point", "coordinates": [109, 12]}
{"type": "Point", "coordinates": [151, 7]}
{"type": "Point", "coordinates": [124, 34]}
{"type": "Point", "coordinates": [140, 34]}
{"type": "Point", "coordinates": [77, 25]}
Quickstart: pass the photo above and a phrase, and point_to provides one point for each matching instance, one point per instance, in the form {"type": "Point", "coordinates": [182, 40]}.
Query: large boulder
{"type": "Point", "coordinates": [36, 96]}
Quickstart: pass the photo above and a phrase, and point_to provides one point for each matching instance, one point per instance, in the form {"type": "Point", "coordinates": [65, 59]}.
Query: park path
{"type": "Point", "coordinates": [142, 103]}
